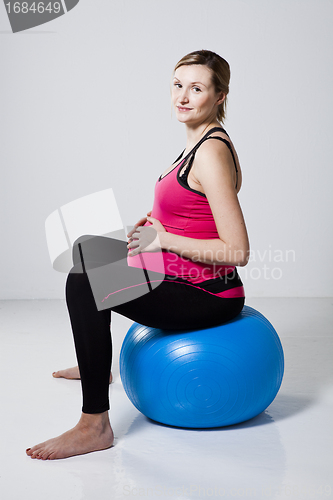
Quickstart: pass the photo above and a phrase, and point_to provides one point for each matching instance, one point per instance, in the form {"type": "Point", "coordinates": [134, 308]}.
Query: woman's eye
{"type": "Point", "coordinates": [196, 89]}
{"type": "Point", "coordinates": [178, 85]}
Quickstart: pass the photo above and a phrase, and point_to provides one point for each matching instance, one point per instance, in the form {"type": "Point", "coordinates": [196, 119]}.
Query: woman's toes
{"type": "Point", "coordinates": [45, 455]}
{"type": "Point", "coordinates": [29, 452]}
{"type": "Point", "coordinates": [69, 373]}
{"type": "Point", "coordinates": [34, 452]}
{"type": "Point", "coordinates": [61, 374]}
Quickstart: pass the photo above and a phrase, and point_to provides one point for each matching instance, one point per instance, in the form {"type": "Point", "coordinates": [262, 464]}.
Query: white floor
{"type": "Point", "coordinates": [286, 452]}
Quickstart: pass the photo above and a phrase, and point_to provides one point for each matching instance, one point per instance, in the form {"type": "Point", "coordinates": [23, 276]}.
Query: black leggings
{"type": "Point", "coordinates": [172, 305]}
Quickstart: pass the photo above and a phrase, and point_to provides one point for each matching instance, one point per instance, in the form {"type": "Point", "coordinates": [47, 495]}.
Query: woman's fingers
{"type": "Point", "coordinates": [141, 222]}
{"type": "Point", "coordinates": [131, 232]}
{"type": "Point", "coordinates": [144, 239]}
{"type": "Point", "coordinates": [133, 244]}
{"type": "Point", "coordinates": [133, 247]}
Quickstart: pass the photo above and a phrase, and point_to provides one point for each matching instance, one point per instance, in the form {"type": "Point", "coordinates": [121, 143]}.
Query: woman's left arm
{"type": "Point", "coordinates": [213, 169]}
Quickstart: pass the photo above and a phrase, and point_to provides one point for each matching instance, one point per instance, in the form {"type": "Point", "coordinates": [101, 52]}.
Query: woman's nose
{"type": "Point", "coordinates": [184, 97]}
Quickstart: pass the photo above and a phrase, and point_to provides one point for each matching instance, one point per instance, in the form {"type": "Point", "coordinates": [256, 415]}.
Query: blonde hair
{"type": "Point", "coordinates": [220, 70]}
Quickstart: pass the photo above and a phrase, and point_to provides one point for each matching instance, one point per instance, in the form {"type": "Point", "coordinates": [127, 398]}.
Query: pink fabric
{"type": "Point", "coordinates": [228, 294]}
{"type": "Point", "coordinates": [186, 213]}
{"type": "Point", "coordinates": [238, 291]}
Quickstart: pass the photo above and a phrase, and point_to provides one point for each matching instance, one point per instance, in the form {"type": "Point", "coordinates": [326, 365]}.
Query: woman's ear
{"type": "Point", "coordinates": [221, 98]}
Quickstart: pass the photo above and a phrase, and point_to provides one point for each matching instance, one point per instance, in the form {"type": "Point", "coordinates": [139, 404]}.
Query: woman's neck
{"type": "Point", "coordinates": [194, 134]}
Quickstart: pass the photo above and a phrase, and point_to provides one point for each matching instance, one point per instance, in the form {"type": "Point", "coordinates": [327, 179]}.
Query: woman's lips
{"type": "Point", "coordinates": [180, 108]}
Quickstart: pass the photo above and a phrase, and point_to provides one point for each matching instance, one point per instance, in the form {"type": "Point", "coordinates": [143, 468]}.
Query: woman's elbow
{"type": "Point", "coordinates": [242, 256]}
{"type": "Point", "coordinates": [232, 254]}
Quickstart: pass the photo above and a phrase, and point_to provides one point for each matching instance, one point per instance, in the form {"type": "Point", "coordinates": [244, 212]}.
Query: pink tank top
{"type": "Point", "coordinates": [185, 212]}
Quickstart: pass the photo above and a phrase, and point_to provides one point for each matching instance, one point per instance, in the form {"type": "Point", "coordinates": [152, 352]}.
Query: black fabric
{"type": "Point", "coordinates": [175, 304]}
{"type": "Point", "coordinates": [190, 157]}
{"type": "Point", "coordinates": [215, 129]}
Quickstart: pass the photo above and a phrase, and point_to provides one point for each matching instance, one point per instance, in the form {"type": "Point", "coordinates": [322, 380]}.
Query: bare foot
{"type": "Point", "coordinates": [71, 374]}
{"type": "Point", "coordinates": [91, 433]}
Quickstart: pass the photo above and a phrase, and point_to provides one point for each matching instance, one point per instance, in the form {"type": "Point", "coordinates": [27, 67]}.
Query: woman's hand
{"type": "Point", "coordinates": [145, 238]}
{"type": "Point", "coordinates": [141, 222]}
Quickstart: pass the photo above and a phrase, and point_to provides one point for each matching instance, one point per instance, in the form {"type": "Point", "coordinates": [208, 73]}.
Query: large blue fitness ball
{"type": "Point", "coordinates": [203, 378]}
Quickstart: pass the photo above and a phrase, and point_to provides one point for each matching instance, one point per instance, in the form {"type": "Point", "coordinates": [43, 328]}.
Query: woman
{"type": "Point", "coordinates": [200, 229]}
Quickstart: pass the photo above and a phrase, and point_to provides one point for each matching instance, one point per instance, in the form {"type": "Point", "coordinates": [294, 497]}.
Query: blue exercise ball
{"type": "Point", "coordinates": [203, 378]}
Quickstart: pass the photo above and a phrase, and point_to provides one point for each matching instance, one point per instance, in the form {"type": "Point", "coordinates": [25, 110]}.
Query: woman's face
{"type": "Point", "coordinates": [193, 95]}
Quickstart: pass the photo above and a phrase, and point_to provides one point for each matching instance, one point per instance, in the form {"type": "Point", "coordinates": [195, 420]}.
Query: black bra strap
{"type": "Point", "coordinates": [179, 157]}
{"type": "Point", "coordinates": [205, 137]}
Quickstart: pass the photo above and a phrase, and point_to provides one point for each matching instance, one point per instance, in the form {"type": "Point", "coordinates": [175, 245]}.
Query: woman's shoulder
{"type": "Point", "coordinates": [218, 155]}
{"type": "Point", "coordinates": [217, 142]}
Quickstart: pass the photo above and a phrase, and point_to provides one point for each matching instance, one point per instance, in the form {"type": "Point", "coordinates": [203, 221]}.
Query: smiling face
{"type": "Point", "coordinates": [193, 95]}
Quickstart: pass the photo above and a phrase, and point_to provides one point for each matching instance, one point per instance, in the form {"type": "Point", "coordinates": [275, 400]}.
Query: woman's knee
{"type": "Point", "coordinates": [76, 253]}
{"type": "Point", "coordinates": [77, 283]}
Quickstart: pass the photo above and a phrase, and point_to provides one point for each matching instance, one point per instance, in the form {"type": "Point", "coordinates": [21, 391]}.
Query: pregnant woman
{"type": "Point", "coordinates": [196, 227]}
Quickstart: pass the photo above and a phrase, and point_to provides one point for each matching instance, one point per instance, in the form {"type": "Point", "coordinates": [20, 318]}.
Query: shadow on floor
{"type": "Point", "coordinates": [284, 406]}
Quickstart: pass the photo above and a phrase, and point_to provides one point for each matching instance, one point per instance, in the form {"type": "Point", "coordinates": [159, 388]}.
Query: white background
{"type": "Point", "coordinates": [85, 105]}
